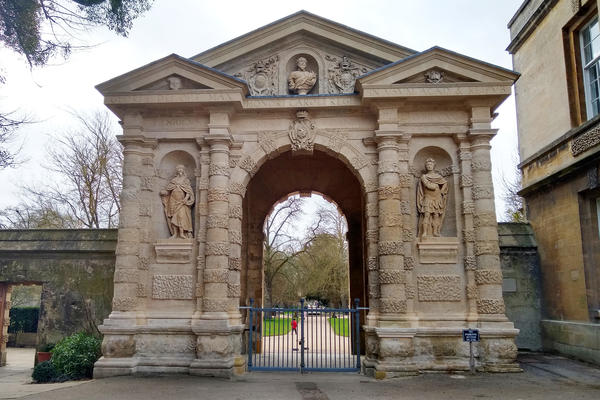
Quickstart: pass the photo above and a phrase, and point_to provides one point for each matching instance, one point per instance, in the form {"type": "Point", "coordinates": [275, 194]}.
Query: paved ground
{"type": "Point", "coordinates": [545, 377]}
{"type": "Point", "coordinates": [15, 376]}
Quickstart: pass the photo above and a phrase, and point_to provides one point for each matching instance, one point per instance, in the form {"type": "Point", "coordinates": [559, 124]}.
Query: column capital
{"type": "Point", "coordinates": [218, 139]}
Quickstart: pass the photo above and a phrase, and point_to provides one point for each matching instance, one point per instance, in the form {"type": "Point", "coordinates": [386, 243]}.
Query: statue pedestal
{"type": "Point", "coordinates": [438, 250]}
{"type": "Point", "coordinates": [174, 251]}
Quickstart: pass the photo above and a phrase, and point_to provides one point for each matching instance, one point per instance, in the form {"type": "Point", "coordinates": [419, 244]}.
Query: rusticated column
{"type": "Point", "coordinates": [390, 244]}
{"type": "Point", "coordinates": [467, 209]}
{"type": "Point", "coordinates": [216, 272]}
{"type": "Point", "coordinates": [408, 234]}
{"type": "Point", "coordinates": [372, 209]}
{"type": "Point", "coordinates": [134, 244]}
{"type": "Point", "coordinates": [234, 288]}
{"type": "Point", "coordinates": [201, 217]}
{"type": "Point", "coordinates": [488, 274]}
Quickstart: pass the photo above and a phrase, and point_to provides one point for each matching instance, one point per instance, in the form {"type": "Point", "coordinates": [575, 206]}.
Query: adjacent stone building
{"type": "Point", "coordinates": [556, 49]}
{"type": "Point", "coordinates": [399, 139]}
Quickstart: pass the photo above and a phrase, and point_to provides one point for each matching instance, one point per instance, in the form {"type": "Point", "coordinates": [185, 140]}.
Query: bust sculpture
{"type": "Point", "coordinates": [177, 199]}
{"type": "Point", "coordinates": [301, 81]}
{"type": "Point", "coordinates": [432, 194]}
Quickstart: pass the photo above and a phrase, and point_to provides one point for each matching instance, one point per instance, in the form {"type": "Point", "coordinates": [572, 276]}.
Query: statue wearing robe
{"type": "Point", "coordinates": [432, 195]}
{"type": "Point", "coordinates": [177, 199]}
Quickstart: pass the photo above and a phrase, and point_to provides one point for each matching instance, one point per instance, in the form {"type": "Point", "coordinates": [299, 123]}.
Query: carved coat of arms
{"type": "Point", "coordinates": [262, 77]}
{"type": "Point", "coordinates": [302, 133]}
{"type": "Point", "coordinates": [342, 74]}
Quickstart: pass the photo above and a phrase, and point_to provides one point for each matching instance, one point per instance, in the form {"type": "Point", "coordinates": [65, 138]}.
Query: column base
{"type": "Point", "coordinates": [394, 352]}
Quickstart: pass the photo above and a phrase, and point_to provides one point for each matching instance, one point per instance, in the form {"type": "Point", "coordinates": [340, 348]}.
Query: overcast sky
{"type": "Point", "coordinates": [476, 28]}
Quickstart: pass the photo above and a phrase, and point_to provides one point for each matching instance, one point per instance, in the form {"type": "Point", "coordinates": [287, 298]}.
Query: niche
{"type": "Point", "coordinates": [311, 65]}
{"type": "Point", "coordinates": [443, 248]}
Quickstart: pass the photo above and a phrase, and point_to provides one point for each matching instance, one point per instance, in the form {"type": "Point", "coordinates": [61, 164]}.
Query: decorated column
{"type": "Point", "coordinates": [497, 353]}
{"type": "Point", "coordinates": [390, 244]}
{"type": "Point", "coordinates": [218, 341]}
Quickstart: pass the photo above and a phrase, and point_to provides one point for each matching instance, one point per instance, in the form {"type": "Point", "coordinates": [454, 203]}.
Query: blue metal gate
{"type": "Point", "coordinates": [303, 338]}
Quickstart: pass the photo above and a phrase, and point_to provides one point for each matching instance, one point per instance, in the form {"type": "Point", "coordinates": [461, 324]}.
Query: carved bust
{"type": "Point", "coordinates": [177, 199]}
{"type": "Point", "coordinates": [432, 195]}
{"type": "Point", "coordinates": [301, 81]}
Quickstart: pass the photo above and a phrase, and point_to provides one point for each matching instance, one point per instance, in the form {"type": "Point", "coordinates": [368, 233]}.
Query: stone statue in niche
{"type": "Point", "coordinates": [301, 81]}
{"type": "Point", "coordinates": [177, 199]}
{"type": "Point", "coordinates": [302, 133]}
{"type": "Point", "coordinates": [342, 75]}
{"type": "Point", "coordinates": [432, 196]}
{"type": "Point", "coordinates": [262, 77]}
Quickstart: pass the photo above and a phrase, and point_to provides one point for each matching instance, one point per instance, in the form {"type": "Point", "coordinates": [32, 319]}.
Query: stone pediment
{"type": "Point", "coordinates": [310, 25]}
{"type": "Point", "coordinates": [437, 66]}
{"type": "Point", "coordinates": [172, 73]}
{"type": "Point", "coordinates": [336, 54]}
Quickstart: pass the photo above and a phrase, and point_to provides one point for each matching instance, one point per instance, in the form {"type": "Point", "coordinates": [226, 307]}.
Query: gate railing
{"type": "Point", "coordinates": [303, 338]}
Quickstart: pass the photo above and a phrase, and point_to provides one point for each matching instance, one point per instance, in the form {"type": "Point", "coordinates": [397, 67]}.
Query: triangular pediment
{"type": "Point", "coordinates": [311, 25]}
{"type": "Point", "coordinates": [172, 73]}
{"type": "Point", "coordinates": [437, 66]}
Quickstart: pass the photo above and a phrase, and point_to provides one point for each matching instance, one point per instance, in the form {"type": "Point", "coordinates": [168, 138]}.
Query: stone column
{"type": "Point", "coordinates": [133, 249]}
{"type": "Point", "coordinates": [390, 246]}
{"type": "Point", "coordinates": [497, 350]}
{"type": "Point", "coordinates": [218, 341]}
{"type": "Point", "coordinates": [467, 210]}
{"type": "Point", "coordinates": [408, 233]}
{"type": "Point", "coordinates": [201, 217]}
{"type": "Point", "coordinates": [234, 287]}
{"type": "Point", "coordinates": [488, 275]}
{"type": "Point", "coordinates": [216, 303]}
{"type": "Point", "coordinates": [134, 241]}
{"type": "Point", "coordinates": [372, 209]}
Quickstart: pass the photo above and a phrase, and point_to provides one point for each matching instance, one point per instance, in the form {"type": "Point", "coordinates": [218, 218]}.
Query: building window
{"type": "Point", "coordinates": [590, 49]}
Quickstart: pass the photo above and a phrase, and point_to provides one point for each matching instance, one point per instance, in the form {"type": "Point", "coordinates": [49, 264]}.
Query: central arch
{"type": "Point", "coordinates": [288, 173]}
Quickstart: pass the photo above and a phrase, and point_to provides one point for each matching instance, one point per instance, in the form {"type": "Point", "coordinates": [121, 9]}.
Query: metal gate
{"type": "Point", "coordinates": [303, 338]}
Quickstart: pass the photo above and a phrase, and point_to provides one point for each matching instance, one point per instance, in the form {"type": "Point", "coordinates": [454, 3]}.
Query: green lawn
{"type": "Point", "coordinates": [276, 326]}
{"type": "Point", "coordinates": [340, 326]}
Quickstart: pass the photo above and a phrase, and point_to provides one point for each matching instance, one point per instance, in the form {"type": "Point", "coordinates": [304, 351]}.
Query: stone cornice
{"type": "Point", "coordinates": [535, 17]}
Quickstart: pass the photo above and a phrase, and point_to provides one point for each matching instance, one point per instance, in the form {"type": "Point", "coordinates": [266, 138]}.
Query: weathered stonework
{"type": "Point", "coordinates": [439, 288]}
{"type": "Point", "coordinates": [172, 287]}
{"type": "Point", "coordinates": [297, 113]}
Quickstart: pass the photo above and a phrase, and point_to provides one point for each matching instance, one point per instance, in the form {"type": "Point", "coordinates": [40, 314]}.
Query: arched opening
{"type": "Point", "coordinates": [303, 174]}
{"type": "Point", "coordinates": [305, 253]}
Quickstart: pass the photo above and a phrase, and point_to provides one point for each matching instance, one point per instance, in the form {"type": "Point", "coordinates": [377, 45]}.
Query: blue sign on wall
{"type": "Point", "coordinates": [470, 335]}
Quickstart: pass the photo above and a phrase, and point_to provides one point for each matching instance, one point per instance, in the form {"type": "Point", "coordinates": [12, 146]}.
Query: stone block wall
{"type": "Point", "coordinates": [521, 282]}
{"type": "Point", "coordinates": [75, 268]}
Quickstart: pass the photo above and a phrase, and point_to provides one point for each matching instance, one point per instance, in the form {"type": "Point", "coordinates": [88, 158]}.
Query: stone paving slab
{"type": "Point", "coordinates": [546, 377]}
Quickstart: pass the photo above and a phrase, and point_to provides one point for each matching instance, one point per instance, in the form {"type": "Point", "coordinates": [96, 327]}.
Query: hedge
{"type": "Point", "coordinates": [23, 319]}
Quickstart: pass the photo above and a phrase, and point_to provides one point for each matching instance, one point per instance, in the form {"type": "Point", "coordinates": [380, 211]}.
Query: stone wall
{"type": "Point", "coordinates": [521, 282]}
{"type": "Point", "coordinates": [75, 269]}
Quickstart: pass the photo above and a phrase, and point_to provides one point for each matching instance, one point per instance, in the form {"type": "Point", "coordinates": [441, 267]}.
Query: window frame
{"type": "Point", "coordinates": [572, 44]}
{"type": "Point", "coordinates": [585, 68]}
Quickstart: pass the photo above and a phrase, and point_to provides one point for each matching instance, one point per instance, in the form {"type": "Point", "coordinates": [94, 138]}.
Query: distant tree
{"type": "Point", "coordinates": [280, 248]}
{"type": "Point", "coordinates": [324, 261]}
{"type": "Point", "coordinates": [87, 162]}
{"type": "Point", "coordinates": [514, 204]}
{"type": "Point", "coordinates": [40, 29]}
{"type": "Point", "coordinates": [32, 215]}
{"type": "Point", "coordinates": [26, 295]}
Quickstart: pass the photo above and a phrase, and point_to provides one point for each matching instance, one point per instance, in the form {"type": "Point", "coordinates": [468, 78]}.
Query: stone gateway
{"type": "Point", "coordinates": [305, 105]}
